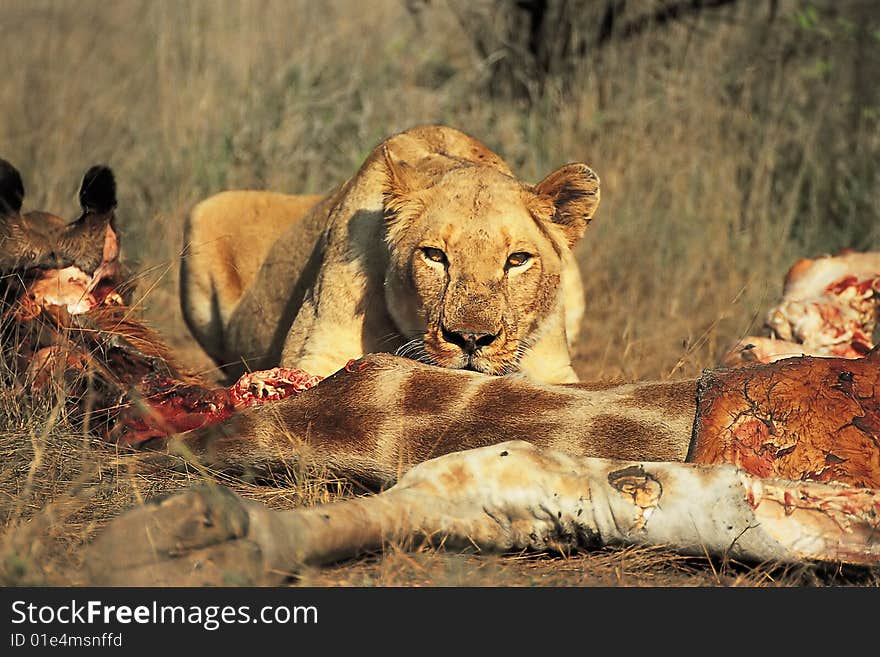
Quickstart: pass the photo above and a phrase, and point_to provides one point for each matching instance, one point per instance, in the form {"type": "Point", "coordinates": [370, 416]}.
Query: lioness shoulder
{"type": "Point", "coordinates": [433, 250]}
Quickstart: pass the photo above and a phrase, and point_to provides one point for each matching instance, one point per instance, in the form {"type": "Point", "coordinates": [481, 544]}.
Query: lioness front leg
{"type": "Point", "coordinates": [548, 359]}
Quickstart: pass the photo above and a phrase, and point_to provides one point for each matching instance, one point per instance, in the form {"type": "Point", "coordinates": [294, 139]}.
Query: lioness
{"type": "Point", "coordinates": [433, 250]}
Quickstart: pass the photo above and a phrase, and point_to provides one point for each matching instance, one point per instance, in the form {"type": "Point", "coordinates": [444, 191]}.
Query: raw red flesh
{"type": "Point", "coordinates": [829, 308]}
{"type": "Point", "coordinates": [157, 404]}
{"type": "Point", "coordinates": [162, 406]}
{"type": "Point", "coordinates": [802, 418]}
{"type": "Point", "coordinates": [270, 385]}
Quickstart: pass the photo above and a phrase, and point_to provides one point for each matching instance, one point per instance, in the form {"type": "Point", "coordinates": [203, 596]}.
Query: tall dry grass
{"type": "Point", "coordinates": [729, 144]}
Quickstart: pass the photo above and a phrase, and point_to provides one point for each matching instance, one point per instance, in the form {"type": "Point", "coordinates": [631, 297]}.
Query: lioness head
{"type": "Point", "coordinates": [476, 259]}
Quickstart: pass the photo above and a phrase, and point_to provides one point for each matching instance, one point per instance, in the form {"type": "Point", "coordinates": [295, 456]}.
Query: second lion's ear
{"type": "Point", "coordinates": [11, 189]}
{"type": "Point", "coordinates": [97, 194]}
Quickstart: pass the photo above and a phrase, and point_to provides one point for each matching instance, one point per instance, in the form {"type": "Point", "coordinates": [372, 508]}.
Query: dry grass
{"type": "Point", "coordinates": [60, 485]}
{"type": "Point", "coordinates": [728, 146]}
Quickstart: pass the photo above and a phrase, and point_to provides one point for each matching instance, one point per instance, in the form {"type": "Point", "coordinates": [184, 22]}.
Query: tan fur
{"type": "Point", "coordinates": [350, 277]}
{"type": "Point", "coordinates": [218, 264]}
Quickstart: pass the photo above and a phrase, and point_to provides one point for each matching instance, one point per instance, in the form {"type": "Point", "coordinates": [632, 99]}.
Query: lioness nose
{"type": "Point", "coordinates": [469, 341]}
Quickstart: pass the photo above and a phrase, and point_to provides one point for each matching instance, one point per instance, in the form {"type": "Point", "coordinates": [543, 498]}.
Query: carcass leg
{"type": "Point", "coordinates": [510, 496]}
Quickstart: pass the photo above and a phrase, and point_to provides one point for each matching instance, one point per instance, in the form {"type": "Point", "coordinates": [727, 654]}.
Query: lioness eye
{"type": "Point", "coordinates": [434, 255]}
{"type": "Point", "coordinates": [518, 259]}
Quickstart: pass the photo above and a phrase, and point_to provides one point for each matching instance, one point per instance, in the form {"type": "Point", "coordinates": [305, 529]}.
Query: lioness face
{"type": "Point", "coordinates": [475, 265]}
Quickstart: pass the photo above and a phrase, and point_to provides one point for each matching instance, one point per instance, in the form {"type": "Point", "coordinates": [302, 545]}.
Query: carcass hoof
{"type": "Point", "coordinates": [199, 537]}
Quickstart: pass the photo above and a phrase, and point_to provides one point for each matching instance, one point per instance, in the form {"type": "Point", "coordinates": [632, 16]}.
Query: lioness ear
{"type": "Point", "coordinates": [574, 192]}
{"type": "Point", "coordinates": [97, 194]}
{"type": "Point", "coordinates": [11, 189]}
{"type": "Point", "coordinates": [399, 200]}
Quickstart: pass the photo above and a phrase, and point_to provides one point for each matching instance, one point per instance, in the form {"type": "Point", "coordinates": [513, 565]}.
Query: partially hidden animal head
{"type": "Point", "coordinates": [58, 288]}
{"type": "Point", "coordinates": [477, 257]}
{"type": "Point", "coordinates": [37, 239]}
{"type": "Point", "coordinates": [46, 260]}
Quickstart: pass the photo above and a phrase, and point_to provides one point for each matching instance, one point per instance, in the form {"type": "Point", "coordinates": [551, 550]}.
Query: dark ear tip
{"type": "Point", "coordinates": [11, 188]}
{"type": "Point", "coordinates": [584, 171]}
{"type": "Point", "coordinates": [98, 190]}
{"type": "Point", "coordinates": [589, 172]}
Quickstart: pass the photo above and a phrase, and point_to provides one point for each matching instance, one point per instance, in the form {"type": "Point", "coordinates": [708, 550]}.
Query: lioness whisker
{"type": "Point", "coordinates": [388, 337]}
{"type": "Point", "coordinates": [408, 347]}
